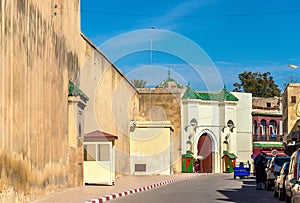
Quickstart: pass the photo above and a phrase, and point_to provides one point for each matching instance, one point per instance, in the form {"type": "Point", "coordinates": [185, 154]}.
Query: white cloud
{"type": "Point", "coordinates": [169, 20]}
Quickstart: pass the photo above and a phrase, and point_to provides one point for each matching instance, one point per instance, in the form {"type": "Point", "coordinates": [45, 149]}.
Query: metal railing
{"type": "Point", "coordinates": [267, 138]}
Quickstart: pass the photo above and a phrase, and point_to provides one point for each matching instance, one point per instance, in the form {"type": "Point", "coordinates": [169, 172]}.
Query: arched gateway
{"type": "Point", "coordinates": [204, 151]}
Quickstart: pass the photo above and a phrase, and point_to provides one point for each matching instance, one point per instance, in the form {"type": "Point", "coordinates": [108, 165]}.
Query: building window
{"type": "Point", "coordinates": [293, 99]}
{"type": "Point", "coordinates": [263, 125]}
{"type": "Point", "coordinates": [254, 127]}
{"type": "Point", "coordinates": [273, 127]}
{"type": "Point", "coordinates": [96, 152]}
{"type": "Point", "coordinates": [79, 130]}
{"type": "Point", "coordinates": [90, 152]}
{"type": "Point", "coordinates": [268, 104]}
{"type": "Point", "coordinates": [140, 167]}
{"type": "Point", "coordinates": [103, 152]}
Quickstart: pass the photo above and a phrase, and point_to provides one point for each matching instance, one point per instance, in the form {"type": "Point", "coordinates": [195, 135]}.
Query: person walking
{"type": "Point", "coordinates": [249, 166]}
{"type": "Point", "coordinates": [259, 163]}
{"type": "Point", "coordinates": [270, 178]}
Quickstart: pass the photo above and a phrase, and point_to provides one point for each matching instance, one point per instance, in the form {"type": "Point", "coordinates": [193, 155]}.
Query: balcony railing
{"type": "Point", "coordinates": [267, 138]}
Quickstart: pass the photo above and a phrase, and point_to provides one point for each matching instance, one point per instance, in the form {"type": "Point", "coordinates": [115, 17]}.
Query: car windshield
{"type": "Point", "coordinates": [280, 161]}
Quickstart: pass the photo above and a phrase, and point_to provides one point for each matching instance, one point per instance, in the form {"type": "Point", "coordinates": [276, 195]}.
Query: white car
{"type": "Point", "coordinates": [277, 161]}
{"type": "Point", "coordinates": [279, 188]}
{"type": "Point", "coordinates": [292, 182]}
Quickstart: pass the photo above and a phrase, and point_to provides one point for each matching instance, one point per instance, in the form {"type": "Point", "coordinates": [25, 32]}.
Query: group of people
{"type": "Point", "coordinates": [263, 176]}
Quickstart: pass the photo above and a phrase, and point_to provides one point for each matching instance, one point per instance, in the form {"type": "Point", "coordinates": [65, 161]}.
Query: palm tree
{"type": "Point", "coordinates": [139, 83]}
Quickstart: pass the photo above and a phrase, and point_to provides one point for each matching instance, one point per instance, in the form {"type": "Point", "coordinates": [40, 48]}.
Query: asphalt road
{"type": "Point", "coordinates": [211, 188]}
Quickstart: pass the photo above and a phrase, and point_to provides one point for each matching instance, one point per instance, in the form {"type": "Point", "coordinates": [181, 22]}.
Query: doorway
{"type": "Point", "coordinates": [205, 152]}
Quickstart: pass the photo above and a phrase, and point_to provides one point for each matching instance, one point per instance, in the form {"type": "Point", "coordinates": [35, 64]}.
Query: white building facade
{"type": "Point", "coordinates": [215, 124]}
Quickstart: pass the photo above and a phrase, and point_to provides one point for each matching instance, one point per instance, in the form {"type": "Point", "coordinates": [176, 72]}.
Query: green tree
{"type": "Point", "coordinates": [139, 83]}
{"type": "Point", "coordinates": [259, 84]}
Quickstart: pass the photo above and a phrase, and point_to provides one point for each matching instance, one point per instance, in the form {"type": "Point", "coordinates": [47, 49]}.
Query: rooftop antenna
{"type": "Point", "coordinates": [152, 28]}
{"type": "Point", "coordinates": [169, 73]}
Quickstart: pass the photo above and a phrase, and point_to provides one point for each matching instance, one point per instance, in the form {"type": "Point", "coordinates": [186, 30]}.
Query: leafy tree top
{"type": "Point", "coordinates": [259, 84]}
{"type": "Point", "coordinates": [139, 83]}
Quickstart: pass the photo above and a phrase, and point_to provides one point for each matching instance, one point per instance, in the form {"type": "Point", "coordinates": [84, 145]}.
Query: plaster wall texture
{"type": "Point", "coordinates": [152, 145]}
{"type": "Point", "coordinates": [38, 58]}
{"type": "Point", "coordinates": [164, 104]}
{"type": "Point", "coordinates": [230, 115]}
{"type": "Point", "coordinates": [262, 102]}
{"type": "Point", "coordinates": [114, 102]}
{"type": "Point", "coordinates": [291, 110]}
{"type": "Point", "coordinates": [244, 126]}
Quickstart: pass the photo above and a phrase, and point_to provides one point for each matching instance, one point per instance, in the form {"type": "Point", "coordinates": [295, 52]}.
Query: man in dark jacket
{"type": "Point", "coordinates": [259, 163]}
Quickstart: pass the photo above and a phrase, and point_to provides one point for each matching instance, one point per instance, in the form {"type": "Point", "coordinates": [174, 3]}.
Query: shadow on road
{"type": "Point", "coordinates": [247, 193]}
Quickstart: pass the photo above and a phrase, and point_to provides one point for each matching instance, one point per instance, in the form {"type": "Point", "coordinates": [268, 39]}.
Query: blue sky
{"type": "Point", "coordinates": [237, 36]}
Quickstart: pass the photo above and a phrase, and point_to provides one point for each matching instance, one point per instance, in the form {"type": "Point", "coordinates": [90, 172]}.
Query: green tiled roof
{"type": "Point", "coordinates": [188, 155]}
{"type": "Point", "coordinates": [224, 94]}
{"type": "Point", "coordinates": [76, 91]}
{"type": "Point", "coordinates": [164, 83]}
{"type": "Point", "coordinates": [230, 155]}
{"type": "Point", "coordinates": [190, 94]}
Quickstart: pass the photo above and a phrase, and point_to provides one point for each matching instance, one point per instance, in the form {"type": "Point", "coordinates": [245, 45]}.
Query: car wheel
{"type": "Point", "coordinates": [234, 177]}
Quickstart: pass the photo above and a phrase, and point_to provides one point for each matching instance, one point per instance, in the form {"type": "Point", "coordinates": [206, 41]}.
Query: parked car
{"type": "Point", "coordinates": [279, 188]}
{"type": "Point", "coordinates": [292, 183]}
{"type": "Point", "coordinates": [277, 161]}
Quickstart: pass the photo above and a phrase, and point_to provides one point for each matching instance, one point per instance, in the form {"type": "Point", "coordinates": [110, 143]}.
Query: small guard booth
{"type": "Point", "coordinates": [99, 158]}
{"type": "Point", "coordinates": [229, 161]}
{"type": "Point", "coordinates": [187, 163]}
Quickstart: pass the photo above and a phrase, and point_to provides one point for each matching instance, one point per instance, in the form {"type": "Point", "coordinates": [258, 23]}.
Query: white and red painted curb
{"type": "Point", "coordinates": [141, 189]}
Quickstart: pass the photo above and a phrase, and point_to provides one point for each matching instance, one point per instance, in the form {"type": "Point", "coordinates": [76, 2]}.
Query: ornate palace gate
{"type": "Point", "coordinates": [205, 152]}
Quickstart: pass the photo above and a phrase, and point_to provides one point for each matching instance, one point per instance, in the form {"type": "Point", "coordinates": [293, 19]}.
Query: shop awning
{"type": "Point", "coordinates": [99, 136]}
{"type": "Point", "coordinates": [272, 153]}
{"type": "Point", "coordinates": [274, 144]}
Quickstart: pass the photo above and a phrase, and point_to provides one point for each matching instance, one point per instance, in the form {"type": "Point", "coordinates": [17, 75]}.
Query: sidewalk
{"type": "Point", "coordinates": [88, 192]}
